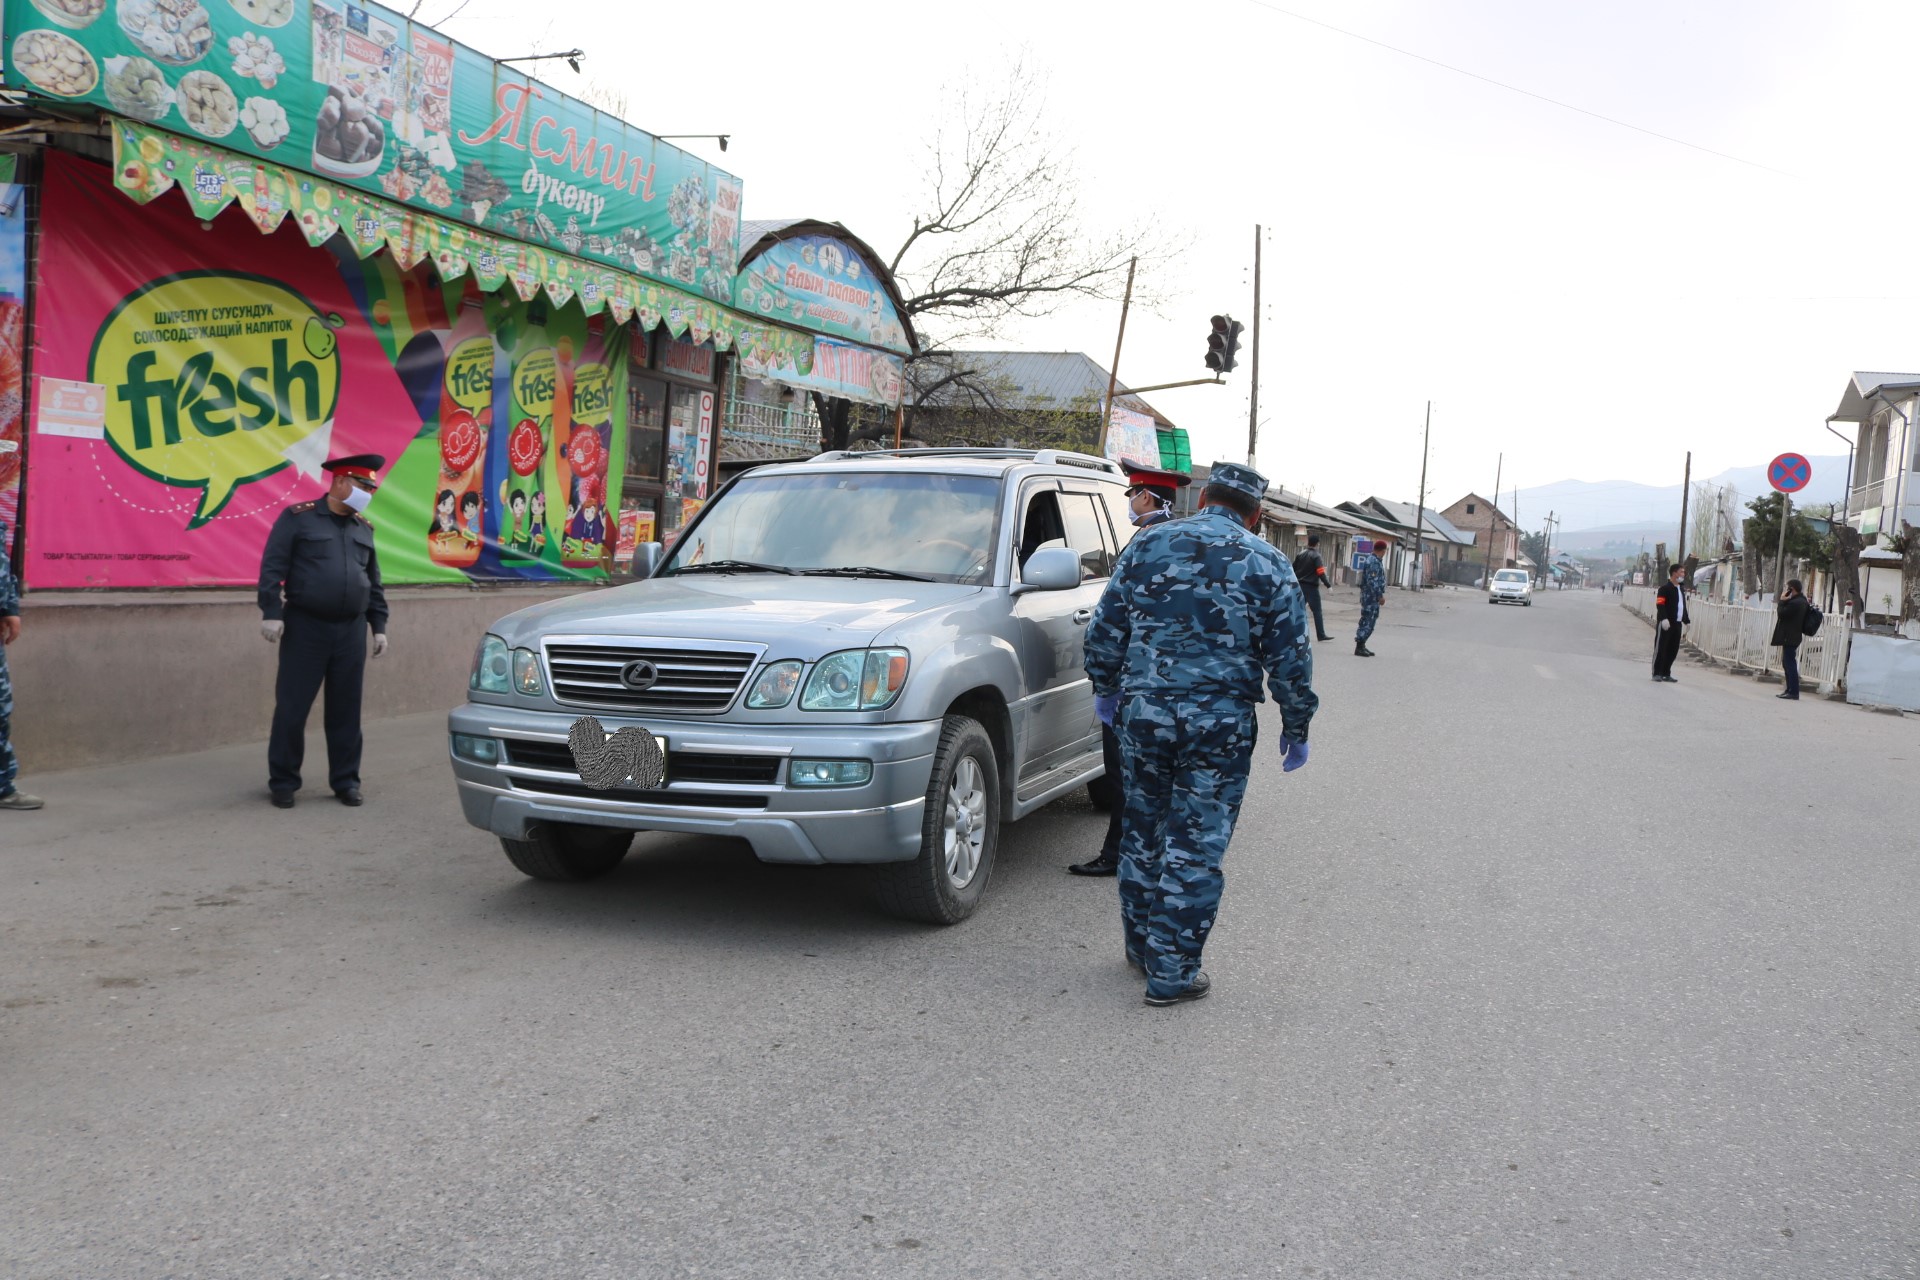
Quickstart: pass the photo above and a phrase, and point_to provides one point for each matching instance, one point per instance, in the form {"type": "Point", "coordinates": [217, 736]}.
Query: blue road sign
{"type": "Point", "coordinates": [1789, 472]}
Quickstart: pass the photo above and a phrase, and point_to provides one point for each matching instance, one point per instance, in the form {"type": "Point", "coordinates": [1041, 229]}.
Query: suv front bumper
{"type": "Point", "coordinates": [879, 821]}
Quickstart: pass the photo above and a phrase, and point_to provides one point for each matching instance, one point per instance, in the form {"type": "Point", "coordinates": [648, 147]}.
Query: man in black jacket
{"type": "Point", "coordinates": [1312, 572]}
{"type": "Point", "coordinates": [1670, 614]}
{"type": "Point", "coordinates": [1789, 629]}
{"type": "Point", "coordinates": [320, 590]}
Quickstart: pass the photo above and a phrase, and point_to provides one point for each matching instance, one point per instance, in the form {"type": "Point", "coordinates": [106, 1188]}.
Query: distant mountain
{"type": "Point", "coordinates": [1590, 506]}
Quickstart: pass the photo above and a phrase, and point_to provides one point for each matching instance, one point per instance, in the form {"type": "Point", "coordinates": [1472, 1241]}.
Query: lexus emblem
{"type": "Point", "coordinates": [639, 675]}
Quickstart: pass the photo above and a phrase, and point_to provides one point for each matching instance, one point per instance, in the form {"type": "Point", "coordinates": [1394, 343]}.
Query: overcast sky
{"type": "Point", "coordinates": [1589, 299]}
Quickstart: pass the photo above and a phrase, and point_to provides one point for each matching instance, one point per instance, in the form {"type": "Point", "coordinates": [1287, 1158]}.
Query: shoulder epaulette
{"type": "Point", "coordinates": [363, 520]}
{"type": "Point", "coordinates": [303, 506]}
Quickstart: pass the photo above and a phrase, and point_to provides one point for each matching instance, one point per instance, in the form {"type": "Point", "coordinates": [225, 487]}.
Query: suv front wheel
{"type": "Point", "coordinates": [958, 835]}
{"type": "Point", "coordinates": [566, 851]}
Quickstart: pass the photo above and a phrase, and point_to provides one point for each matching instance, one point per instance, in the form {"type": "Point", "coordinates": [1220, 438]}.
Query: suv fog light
{"type": "Point", "coordinates": [478, 750]}
{"type": "Point", "coordinates": [526, 673]}
{"type": "Point", "coordinates": [830, 773]}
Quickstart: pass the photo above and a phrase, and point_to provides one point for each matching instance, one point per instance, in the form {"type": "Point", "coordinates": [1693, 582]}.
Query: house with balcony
{"type": "Point", "coordinates": [1881, 497]}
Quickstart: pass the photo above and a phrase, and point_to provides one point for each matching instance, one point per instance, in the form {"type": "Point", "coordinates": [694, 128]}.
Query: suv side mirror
{"type": "Point", "coordinates": [646, 558]}
{"type": "Point", "coordinates": [1052, 569]}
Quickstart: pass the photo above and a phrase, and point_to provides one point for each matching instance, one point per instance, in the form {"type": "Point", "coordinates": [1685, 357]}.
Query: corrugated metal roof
{"type": "Point", "coordinates": [1044, 379]}
{"type": "Point", "coordinates": [1434, 526]}
{"type": "Point", "coordinates": [1860, 392]}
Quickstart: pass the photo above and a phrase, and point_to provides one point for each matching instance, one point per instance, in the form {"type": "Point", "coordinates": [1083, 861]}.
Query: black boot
{"type": "Point", "coordinates": [1107, 864]}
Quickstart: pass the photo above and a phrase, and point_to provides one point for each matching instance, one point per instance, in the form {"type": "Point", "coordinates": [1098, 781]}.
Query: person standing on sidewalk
{"type": "Point", "coordinates": [1150, 496]}
{"type": "Point", "coordinates": [1373, 589]}
{"type": "Point", "coordinates": [1789, 629]}
{"type": "Point", "coordinates": [1670, 614]}
{"type": "Point", "coordinates": [1196, 614]}
{"type": "Point", "coordinates": [320, 589]}
{"type": "Point", "coordinates": [1311, 570]}
{"type": "Point", "coordinates": [11, 797]}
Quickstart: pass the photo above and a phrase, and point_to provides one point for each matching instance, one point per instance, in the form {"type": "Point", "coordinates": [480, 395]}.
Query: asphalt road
{"type": "Point", "coordinates": [1538, 969]}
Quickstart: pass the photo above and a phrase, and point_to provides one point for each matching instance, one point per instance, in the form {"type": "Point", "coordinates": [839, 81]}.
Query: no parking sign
{"type": "Point", "coordinates": [1789, 472]}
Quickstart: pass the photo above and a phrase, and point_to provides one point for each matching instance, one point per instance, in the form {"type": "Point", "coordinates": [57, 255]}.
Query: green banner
{"type": "Point", "coordinates": [362, 96]}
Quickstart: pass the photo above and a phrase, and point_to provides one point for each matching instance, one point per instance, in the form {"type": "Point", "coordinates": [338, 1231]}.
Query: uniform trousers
{"type": "Point", "coordinates": [1110, 752]}
{"type": "Point", "coordinates": [1369, 614]}
{"type": "Point", "coordinates": [1185, 761]}
{"type": "Point", "coordinates": [9, 763]}
{"type": "Point", "coordinates": [315, 651]}
{"type": "Point", "coordinates": [1666, 647]}
{"type": "Point", "coordinates": [1313, 606]}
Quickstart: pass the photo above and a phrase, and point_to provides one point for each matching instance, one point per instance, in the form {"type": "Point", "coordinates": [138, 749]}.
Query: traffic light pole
{"type": "Point", "coordinates": [1113, 374]}
{"type": "Point", "coordinates": [1253, 396]}
{"type": "Point", "coordinates": [1191, 382]}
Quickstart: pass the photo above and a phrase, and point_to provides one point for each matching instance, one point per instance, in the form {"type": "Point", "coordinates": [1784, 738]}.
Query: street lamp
{"type": "Point", "coordinates": [572, 56]}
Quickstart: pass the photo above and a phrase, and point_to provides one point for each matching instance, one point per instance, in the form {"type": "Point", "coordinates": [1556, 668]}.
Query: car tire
{"type": "Point", "coordinates": [567, 852]}
{"type": "Point", "coordinates": [1104, 791]}
{"type": "Point", "coordinates": [959, 834]}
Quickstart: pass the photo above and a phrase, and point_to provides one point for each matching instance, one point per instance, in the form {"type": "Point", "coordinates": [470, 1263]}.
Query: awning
{"type": "Point", "coordinates": [149, 162]}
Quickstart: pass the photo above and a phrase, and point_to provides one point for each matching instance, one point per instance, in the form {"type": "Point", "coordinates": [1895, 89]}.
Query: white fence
{"type": "Point", "coordinates": [1737, 635]}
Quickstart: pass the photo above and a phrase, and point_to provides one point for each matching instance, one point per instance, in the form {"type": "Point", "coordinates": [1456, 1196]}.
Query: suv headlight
{"type": "Point", "coordinates": [492, 667]}
{"type": "Point", "coordinates": [776, 685]}
{"type": "Point", "coordinates": [498, 669]}
{"type": "Point", "coordinates": [855, 680]}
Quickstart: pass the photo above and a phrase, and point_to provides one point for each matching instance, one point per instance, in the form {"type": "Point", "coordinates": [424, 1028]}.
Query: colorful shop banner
{"type": "Point", "coordinates": [835, 369]}
{"type": "Point", "coordinates": [13, 334]}
{"type": "Point", "coordinates": [150, 162]}
{"type": "Point", "coordinates": [1132, 439]}
{"type": "Point", "coordinates": [189, 385]}
{"type": "Point", "coordinates": [824, 284]}
{"type": "Point", "coordinates": [363, 96]}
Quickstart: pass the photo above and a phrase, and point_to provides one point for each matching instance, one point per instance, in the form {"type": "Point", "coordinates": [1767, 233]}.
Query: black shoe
{"type": "Point", "coordinates": [1790, 697]}
{"type": "Point", "coordinates": [1196, 990]}
{"type": "Point", "coordinates": [1326, 637]}
{"type": "Point", "coordinates": [1107, 864]}
{"type": "Point", "coordinates": [350, 797]}
{"type": "Point", "coordinates": [283, 799]}
{"type": "Point", "coordinates": [1361, 651]}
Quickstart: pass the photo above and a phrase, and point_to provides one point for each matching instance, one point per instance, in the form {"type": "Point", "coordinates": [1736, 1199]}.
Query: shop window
{"type": "Point", "coordinates": [646, 428]}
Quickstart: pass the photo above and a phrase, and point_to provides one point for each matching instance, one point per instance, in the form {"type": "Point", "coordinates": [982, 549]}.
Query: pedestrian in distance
{"type": "Point", "coordinates": [1311, 571]}
{"type": "Point", "coordinates": [1150, 496]}
{"type": "Point", "coordinates": [1670, 615]}
{"type": "Point", "coordinates": [1789, 629]}
{"type": "Point", "coordinates": [320, 594]}
{"type": "Point", "coordinates": [11, 796]}
{"type": "Point", "coordinates": [1197, 612]}
{"type": "Point", "coordinates": [1373, 589]}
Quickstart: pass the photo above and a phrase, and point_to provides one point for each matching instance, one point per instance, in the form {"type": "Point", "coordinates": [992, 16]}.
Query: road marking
{"type": "Point", "coordinates": [1546, 673]}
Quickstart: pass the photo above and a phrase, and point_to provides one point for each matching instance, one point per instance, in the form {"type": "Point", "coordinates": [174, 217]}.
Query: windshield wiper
{"type": "Point", "coordinates": [864, 571]}
{"type": "Point", "coordinates": [729, 566]}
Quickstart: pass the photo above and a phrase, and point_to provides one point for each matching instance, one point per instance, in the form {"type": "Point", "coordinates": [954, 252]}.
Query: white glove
{"type": "Point", "coordinates": [270, 630]}
{"type": "Point", "coordinates": [379, 644]}
{"type": "Point", "coordinates": [1665, 623]}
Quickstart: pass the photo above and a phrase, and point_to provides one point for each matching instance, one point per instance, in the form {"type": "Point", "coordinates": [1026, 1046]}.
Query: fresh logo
{"type": "Point", "coordinates": [214, 380]}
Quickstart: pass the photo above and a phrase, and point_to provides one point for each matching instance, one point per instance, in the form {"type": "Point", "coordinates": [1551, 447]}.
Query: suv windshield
{"type": "Point", "coordinates": [904, 524]}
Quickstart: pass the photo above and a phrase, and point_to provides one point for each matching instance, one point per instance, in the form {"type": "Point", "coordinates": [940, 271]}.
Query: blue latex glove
{"type": "Point", "coordinates": [1294, 754]}
{"type": "Point", "coordinates": [1106, 708]}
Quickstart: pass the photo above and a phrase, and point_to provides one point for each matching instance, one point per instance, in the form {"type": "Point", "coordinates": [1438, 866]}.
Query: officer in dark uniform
{"type": "Point", "coordinates": [1150, 496]}
{"type": "Point", "coordinates": [320, 592]}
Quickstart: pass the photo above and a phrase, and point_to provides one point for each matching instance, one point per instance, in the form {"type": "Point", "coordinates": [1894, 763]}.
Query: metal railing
{"type": "Point", "coordinates": [1739, 636]}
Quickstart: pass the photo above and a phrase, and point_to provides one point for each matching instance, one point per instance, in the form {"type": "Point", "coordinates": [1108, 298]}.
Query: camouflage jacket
{"type": "Point", "coordinates": [9, 585]}
{"type": "Point", "coordinates": [1201, 607]}
{"type": "Point", "coordinates": [1373, 581]}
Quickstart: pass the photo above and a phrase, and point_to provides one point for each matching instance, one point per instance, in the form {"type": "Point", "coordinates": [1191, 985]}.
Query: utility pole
{"type": "Point", "coordinates": [1420, 518]}
{"type": "Point", "coordinates": [1686, 491]}
{"type": "Point", "coordinates": [1113, 374]}
{"type": "Point", "coordinates": [1253, 398]}
{"type": "Point", "coordinates": [1780, 555]}
{"type": "Point", "coordinates": [1493, 517]}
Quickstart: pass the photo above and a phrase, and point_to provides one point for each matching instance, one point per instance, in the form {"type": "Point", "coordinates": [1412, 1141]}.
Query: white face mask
{"type": "Point", "coordinates": [358, 499]}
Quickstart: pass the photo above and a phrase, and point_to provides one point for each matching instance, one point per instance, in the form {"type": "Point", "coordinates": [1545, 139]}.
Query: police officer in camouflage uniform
{"type": "Point", "coordinates": [1196, 612]}
{"type": "Point", "coordinates": [11, 797]}
{"type": "Point", "coordinates": [320, 593]}
{"type": "Point", "coordinates": [1373, 589]}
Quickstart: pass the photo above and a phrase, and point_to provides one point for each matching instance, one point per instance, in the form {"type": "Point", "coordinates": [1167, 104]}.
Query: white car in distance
{"type": "Point", "coordinates": [1510, 586]}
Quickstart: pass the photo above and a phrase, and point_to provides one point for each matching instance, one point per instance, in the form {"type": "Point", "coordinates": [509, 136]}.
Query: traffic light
{"type": "Point", "coordinates": [1223, 344]}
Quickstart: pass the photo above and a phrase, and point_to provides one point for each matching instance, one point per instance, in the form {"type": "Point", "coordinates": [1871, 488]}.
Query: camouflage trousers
{"type": "Point", "coordinates": [1184, 766]}
{"type": "Point", "coordinates": [1369, 614]}
{"type": "Point", "coordinates": [9, 765]}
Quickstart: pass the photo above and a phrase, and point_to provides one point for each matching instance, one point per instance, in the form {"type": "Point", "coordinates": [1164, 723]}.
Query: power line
{"type": "Point", "coordinates": [1513, 88]}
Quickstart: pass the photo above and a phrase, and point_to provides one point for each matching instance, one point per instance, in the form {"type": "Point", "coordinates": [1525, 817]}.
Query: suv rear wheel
{"type": "Point", "coordinates": [566, 851]}
{"type": "Point", "coordinates": [958, 836]}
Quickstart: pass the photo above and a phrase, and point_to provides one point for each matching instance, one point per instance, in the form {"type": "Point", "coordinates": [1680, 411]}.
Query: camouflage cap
{"type": "Point", "coordinates": [1239, 478]}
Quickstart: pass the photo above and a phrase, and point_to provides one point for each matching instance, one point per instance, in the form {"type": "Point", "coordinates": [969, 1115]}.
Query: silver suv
{"type": "Point", "coordinates": [864, 658]}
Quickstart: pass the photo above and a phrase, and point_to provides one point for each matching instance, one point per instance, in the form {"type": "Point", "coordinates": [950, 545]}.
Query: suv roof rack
{"type": "Point", "coordinates": [1042, 457]}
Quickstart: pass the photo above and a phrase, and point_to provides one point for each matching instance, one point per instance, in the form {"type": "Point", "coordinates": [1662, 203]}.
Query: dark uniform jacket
{"type": "Point", "coordinates": [1791, 626]}
{"type": "Point", "coordinates": [1310, 569]}
{"type": "Point", "coordinates": [1670, 604]}
{"type": "Point", "coordinates": [326, 564]}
